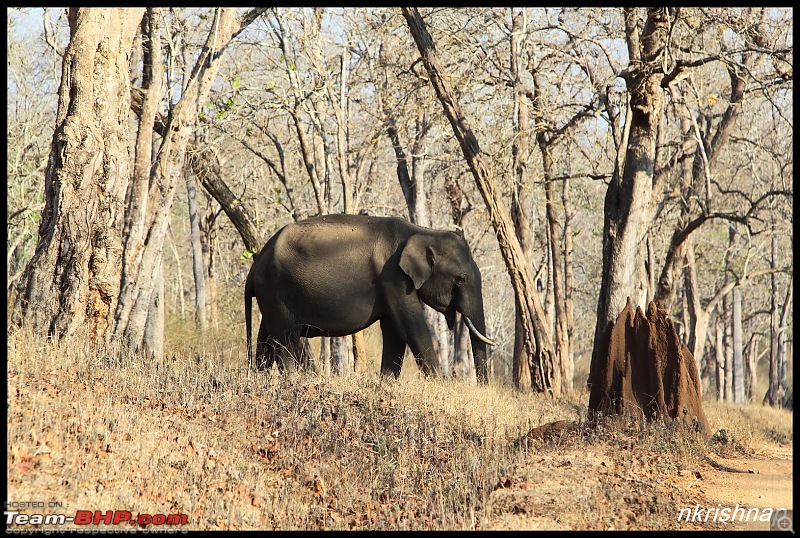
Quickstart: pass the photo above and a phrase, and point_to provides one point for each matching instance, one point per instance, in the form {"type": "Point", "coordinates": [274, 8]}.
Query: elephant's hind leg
{"type": "Point", "coordinates": [265, 350]}
{"type": "Point", "coordinates": [393, 350]}
{"type": "Point", "coordinates": [294, 354]}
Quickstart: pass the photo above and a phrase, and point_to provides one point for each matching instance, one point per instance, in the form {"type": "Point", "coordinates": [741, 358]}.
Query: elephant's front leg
{"type": "Point", "coordinates": [415, 331]}
{"type": "Point", "coordinates": [421, 344]}
{"type": "Point", "coordinates": [394, 347]}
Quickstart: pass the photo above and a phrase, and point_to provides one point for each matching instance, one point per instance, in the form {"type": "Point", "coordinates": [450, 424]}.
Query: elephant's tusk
{"type": "Point", "coordinates": [477, 333]}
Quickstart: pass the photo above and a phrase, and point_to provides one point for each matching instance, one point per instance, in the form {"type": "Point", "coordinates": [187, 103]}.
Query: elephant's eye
{"type": "Point", "coordinates": [460, 279]}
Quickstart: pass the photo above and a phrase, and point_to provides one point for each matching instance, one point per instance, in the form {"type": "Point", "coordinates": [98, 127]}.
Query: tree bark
{"type": "Point", "coordinates": [545, 373]}
{"type": "Point", "coordinates": [71, 283]}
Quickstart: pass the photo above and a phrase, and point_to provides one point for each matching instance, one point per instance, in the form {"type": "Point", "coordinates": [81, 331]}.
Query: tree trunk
{"type": "Point", "coordinates": [752, 367]}
{"type": "Point", "coordinates": [71, 283]}
{"type": "Point", "coordinates": [719, 336]}
{"type": "Point", "coordinates": [627, 212]}
{"type": "Point", "coordinates": [698, 316]}
{"type": "Point", "coordinates": [727, 315]}
{"type": "Point", "coordinates": [359, 352]}
{"type": "Point", "coordinates": [568, 357]}
{"type": "Point", "coordinates": [210, 247]}
{"type": "Point", "coordinates": [520, 365]}
{"type": "Point", "coordinates": [197, 253]}
{"type": "Point", "coordinates": [727, 348]}
{"type": "Point", "coordinates": [562, 344]}
{"type": "Point", "coordinates": [545, 373]}
{"type": "Point", "coordinates": [773, 391]}
{"type": "Point", "coordinates": [154, 327]}
{"type": "Point", "coordinates": [783, 343]}
{"type": "Point", "coordinates": [324, 363]}
{"type": "Point", "coordinates": [341, 356]}
{"type": "Point", "coordinates": [738, 362]}
{"type": "Point", "coordinates": [341, 137]}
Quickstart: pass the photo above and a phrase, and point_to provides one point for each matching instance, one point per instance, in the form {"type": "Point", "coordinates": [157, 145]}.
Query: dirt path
{"type": "Point", "coordinates": [768, 486]}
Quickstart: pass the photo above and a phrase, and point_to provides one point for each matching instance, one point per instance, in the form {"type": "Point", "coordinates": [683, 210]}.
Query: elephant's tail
{"type": "Point", "coordinates": [248, 314]}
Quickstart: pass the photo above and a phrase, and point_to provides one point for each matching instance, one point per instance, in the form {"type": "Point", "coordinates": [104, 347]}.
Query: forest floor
{"type": "Point", "coordinates": [767, 484]}
{"type": "Point", "coordinates": [198, 435]}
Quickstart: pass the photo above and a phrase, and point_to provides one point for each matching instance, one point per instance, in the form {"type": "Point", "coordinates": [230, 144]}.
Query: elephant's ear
{"type": "Point", "coordinates": [416, 260]}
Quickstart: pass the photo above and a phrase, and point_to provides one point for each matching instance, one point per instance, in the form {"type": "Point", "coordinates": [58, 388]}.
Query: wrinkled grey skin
{"type": "Point", "coordinates": [335, 275]}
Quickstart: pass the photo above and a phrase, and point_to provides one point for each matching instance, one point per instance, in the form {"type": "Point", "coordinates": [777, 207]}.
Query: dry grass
{"type": "Point", "coordinates": [199, 434]}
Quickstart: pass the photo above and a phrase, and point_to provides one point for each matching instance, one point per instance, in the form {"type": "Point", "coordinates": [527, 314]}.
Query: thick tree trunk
{"type": "Point", "coordinates": [545, 373]}
{"type": "Point", "coordinates": [71, 283]}
{"type": "Point", "coordinates": [627, 209]}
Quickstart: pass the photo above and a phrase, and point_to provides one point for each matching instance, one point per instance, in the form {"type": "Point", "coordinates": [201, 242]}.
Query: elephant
{"type": "Point", "coordinates": [337, 274]}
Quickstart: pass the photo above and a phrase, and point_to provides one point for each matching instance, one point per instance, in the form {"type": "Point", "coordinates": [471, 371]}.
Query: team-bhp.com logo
{"type": "Point", "coordinates": [96, 517]}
